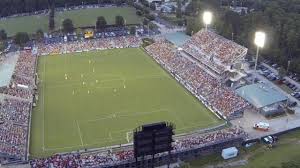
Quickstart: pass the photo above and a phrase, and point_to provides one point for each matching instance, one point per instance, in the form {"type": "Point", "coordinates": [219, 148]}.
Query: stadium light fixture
{"type": "Point", "coordinates": [207, 18]}
{"type": "Point", "coordinates": [259, 41]}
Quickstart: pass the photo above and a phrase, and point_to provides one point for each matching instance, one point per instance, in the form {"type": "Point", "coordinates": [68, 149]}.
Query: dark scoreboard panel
{"type": "Point", "coordinates": [153, 138]}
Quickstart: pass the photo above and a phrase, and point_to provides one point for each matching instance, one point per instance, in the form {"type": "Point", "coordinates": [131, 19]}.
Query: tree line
{"type": "Point", "coordinates": [280, 19]}
{"type": "Point", "coordinates": [11, 7]}
{"type": "Point", "coordinates": [22, 38]}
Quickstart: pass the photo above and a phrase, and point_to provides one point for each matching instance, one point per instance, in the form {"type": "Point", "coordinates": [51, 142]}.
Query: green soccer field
{"type": "Point", "coordinates": [95, 99]}
{"type": "Point", "coordinates": [80, 18]}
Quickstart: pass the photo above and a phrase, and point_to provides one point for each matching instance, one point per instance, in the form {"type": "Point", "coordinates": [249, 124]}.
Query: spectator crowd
{"type": "Point", "coordinates": [214, 50]}
{"type": "Point", "coordinates": [206, 88]}
{"type": "Point", "coordinates": [15, 107]}
{"type": "Point", "coordinates": [87, 45]}
{"type": "Point", "coordinates": [105, 158]}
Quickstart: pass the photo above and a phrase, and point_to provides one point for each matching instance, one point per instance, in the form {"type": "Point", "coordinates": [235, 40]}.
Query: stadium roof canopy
{"type": "Point", "coordinates": [7, 69]}
{"type": "Point", "coordinates": [260, 95]}
{"type": "Point", "coordinates": [177, 38]}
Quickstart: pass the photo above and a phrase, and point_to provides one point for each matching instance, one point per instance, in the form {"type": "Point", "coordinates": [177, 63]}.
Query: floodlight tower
{"type": "Point", "coordinates": [207, 17]}
{"type": "Point", "coordinates": [259, 41]}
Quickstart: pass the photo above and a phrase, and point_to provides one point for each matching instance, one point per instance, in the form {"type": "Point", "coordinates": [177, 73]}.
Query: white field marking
{"type": "Point", "coordinates": [78, 82]}
{"type": "Point", "coordinates": [128, 115]}
{"type": "Point", "coordinates": [106, 140]}
{"type": "Point", "coordinates": [176, 117]}
{"type": "Point", "coordinates": [127, 136]}
{"type": "Point", "coordinates": [99, 119]}
{"type": "Point", "coordinates": [189, 93]}
{"type": "Point", "coordinates": [117, 77]}
{"type": "Point", "coordinates": [79, 132]}
{"type": "Point", "coordinates": [66, 85]}
{"type": "Point", "coordinates": [110, 137]}
{"type": "Point", "coordinates": [194, 126]}
{"type": "Point", "coordinates": [110, 80]}
{"type": "Point", "coordinates": [43, 103]}
{"type": "Point", "coordinates": [66, 147]}
{"type": "Point", "coordinates": [147, 77]}
{"type": "Point", "coordinates": [123, 130]}
{"type": "Point", "coordinates": [100, 141]}
{"type": "Point", "coordinates": [143, 113]}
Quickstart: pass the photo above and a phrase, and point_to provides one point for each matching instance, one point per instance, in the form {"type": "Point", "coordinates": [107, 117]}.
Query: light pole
{"type": "Point", "coordinates": [207, 17]}
{"type": "Point", "coordinates": [259, 41]}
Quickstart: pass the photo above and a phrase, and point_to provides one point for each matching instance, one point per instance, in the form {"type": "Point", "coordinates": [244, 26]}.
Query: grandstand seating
{"type": "Point", "coordinates": [15, 109]}
{"type": "Point", "coordinates": [207, 88]}
{"type": "Point", "coordinates": [214, 50]}
{"type": "Point", "coordinates": [109, 158]}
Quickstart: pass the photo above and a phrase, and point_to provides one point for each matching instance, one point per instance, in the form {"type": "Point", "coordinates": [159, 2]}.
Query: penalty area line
{"type": "Point", "coordinates": [79, 132]}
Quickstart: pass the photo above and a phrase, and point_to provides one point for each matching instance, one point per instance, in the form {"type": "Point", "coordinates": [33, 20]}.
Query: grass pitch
{"type": "Point", "coordinates": [80, 18]}
{"type": "Point", "coordinates": [95, 99]}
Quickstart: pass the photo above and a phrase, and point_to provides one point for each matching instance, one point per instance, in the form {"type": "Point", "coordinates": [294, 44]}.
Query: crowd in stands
{"type": "Point", "coordinates": [202, 140]}
{"type": "Point", "coordinates": [87, 45]}
{"type": "Point", "coordinates": [15, 107]}
{"type": "Point", "coordinates": [22, 82]}
{"type": "Point", "coordinates": [205, 87]}
{"type": "Point", "coordinates": [14, 120]}
{"type": "Point", "coordinates": [214, 50]}
{"type": "Point", "coordinates": [98, 159]}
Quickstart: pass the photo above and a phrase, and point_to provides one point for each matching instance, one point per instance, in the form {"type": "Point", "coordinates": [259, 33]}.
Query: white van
{"type": "Point", "coordinates": [262, 126]}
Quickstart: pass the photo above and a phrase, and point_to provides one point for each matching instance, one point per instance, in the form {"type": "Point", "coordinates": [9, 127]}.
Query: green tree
{"type": "Point", "coordinates": [178, 9]}
{"type": "Point", "coordinates": [51, 16]}
{"type": "Point", "coordinates": [2, 46]}
{"type": "Point", "coordinates": [132, 30]}
{"type": "Point", "coordinates": [243, 12]}
{"type": "Point", "coordinates": [101, 23]}
{"type": "Point", "coordinates": [139, 13]}
{"type": "Point", "coordinates": [153, 6]}
{"type": "Point", "coordinates": [39, 34]}
{"type": "Point", "coordinates": [21, 38]}
{"type": "Point", "coordinates": [282, 72]}
{"type": "Point", "coordinates": [3, 35]}
{"type": "Point", "coordinates": [68, 26]}
{"type": "Point", "coordinates": [150, 16]}
{"type": "Point", "coordinates": [145, 21]}
{"type": "Point", "coordinates": [290, 164]}
{"type": "Point", "coordinates": [119, 21]}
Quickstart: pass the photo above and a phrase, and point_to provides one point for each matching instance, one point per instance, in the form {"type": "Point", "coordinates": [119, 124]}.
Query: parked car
{"type": "Point", "coordinates": [292, 104]}
{"type": "Point", "coordinates": [263, 126]}
{"type": "Point", "coordinates": [275, 66]}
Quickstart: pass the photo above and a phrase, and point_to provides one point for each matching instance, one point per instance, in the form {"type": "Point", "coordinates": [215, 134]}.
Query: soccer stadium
{"type": "Point", "coordinates": [118, 98]}
{"type": "Point", "coordinates": [92, 94]}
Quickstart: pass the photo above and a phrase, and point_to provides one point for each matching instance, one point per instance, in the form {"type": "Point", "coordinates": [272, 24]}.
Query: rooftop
{"type": "Point", "coordinates": [7, 68]}
{"type": "Point", "coordinates": [260, 95]}
{"type": "Point", "coordinates": [177, 38]}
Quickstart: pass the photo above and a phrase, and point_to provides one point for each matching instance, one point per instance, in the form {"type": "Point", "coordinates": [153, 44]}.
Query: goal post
{"type": "Point", "coordinates": [129, 137]}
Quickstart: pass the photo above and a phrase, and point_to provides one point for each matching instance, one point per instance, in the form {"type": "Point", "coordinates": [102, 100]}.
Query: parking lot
{"type": "Point", "coordinates": [287, 84]}
{"type": "Point", "coordinates": [269, 75]}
